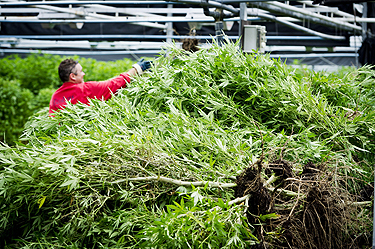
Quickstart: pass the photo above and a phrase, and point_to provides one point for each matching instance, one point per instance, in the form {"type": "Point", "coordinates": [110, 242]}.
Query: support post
{"type": "Point", "coordinates": [243, 21]}
{"type": "Point", "coordinates": [219, 32]}
{"type": "Point", "coordinates": [364, 24]}
{"type": "Point", "coordinates": [169, 26]}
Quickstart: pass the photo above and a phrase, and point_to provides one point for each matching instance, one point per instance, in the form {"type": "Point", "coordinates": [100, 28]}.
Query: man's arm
{"type": "Point", "coordinates": [132, 72]}
{"type": "Point", "coordinates": [104, 89]}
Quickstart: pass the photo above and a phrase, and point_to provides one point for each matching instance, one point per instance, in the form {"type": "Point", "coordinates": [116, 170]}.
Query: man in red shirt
{"type": "Point", "coordinates": [76, 90]}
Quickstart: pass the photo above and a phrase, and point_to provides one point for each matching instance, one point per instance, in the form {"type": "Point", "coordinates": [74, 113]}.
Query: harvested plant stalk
{"type": "Point", "coordinates": [154, 166]}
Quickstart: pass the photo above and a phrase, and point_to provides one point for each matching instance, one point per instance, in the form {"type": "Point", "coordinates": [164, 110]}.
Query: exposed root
{"type": "Point", "coordinates": [250, 183]}
{"type": "Point", "coordinates": [281, 169]}
{"type": "Point", "coordinates": [190, 44]}
{"type": "Point", "coordinates": [320, 216]}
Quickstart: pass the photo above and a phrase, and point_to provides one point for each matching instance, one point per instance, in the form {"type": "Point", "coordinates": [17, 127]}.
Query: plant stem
{"type": "Point", "coordinates": [178, 182]}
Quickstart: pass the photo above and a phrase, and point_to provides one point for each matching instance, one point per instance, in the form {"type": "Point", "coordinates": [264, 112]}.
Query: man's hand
{"type": "Point", "coordinates": [142, 66]}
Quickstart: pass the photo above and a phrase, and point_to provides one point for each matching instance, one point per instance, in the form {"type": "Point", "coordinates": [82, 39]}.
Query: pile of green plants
{"type": "Point", "coordinates": [27, 84]}
{"type": "Point", "coordinates": [212, 149]}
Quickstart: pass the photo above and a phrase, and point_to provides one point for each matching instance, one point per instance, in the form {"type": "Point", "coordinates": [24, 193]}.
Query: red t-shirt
{"type": "Point", "coordinates": [82, 92]}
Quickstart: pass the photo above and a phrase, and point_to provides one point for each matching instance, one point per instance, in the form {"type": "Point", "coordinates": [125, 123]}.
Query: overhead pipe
{"type": "Point", "coordinates": [83, 14]}
{"type": "Point", "coordinates": [207, 3]}
{"type": "Point", "coordinates": [265, 16]}
{"type": "Point", "coordinates": [253, 13]}
{"type": "Point", "coordinates": [247, 1]}
{"type": "Point", "coordinates": [20, 3]}
{"type": "Point", "coordinates": [69, 37]}
{"type": "Point", "coordinates": [35, 19]}
{"type": "Point", "coordinates": [218, 15]}
{"type": "Point", "coordinates": [337, 12]}
{"type": "Point", "coordinates": [300, 16]}
{"type": "Point", "coordinates": [295, 26]}
{"type": "Point", "coordinates": [121, 52]}
{"type": "Point", "coordinates": [303, 14]}
{"type": "Point", "coordinates": [313, 55]}
{"type": "Point", "coordinates": [107, 52]}
{"type": "Point", "coordinates": [13, 19]}
{"type": "Point", "coordinates": [201, 37]}
{"type": "Point", "coordinates": [114, 9]}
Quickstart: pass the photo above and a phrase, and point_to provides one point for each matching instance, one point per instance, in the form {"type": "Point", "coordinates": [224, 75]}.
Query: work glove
{"type": "Point", "coordinates": [142, 66]}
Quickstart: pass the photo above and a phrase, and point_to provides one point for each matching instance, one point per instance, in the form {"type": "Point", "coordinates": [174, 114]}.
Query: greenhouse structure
{"type": "Point", "coordinates": [187, 124]}
{"type": "Point", "coordinates": [320, 33]}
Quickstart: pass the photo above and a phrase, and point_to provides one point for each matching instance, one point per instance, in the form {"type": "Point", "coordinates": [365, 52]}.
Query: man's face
{"type": "Point", "coordinates": [77, 74]}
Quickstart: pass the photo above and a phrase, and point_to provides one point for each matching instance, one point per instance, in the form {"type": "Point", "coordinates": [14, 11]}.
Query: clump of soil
{"type": "Point", "coordinates": [249, 183]}
{"type": "Point", "coordinates": [310, 170]}
{"type": "Point", "coordinates": [282, 170]}
{"type": "Point", "coordinates": [366, 193]}
{"type": "Point", "coordinates": [315, 213]}
{"type": "Point", "coordinates": [190, 44]}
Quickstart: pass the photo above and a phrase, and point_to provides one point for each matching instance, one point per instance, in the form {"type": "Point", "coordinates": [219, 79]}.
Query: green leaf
{"type": "Point", "coordinates": [197, 197]}
{"type": "Point", "coordinates": [268, 216]}
{"type": "Point", "coordinates": [41, 201]}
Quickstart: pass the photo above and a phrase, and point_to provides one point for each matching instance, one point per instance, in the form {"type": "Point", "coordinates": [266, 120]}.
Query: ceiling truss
{"type": "Point", "coordinates": [297, 15]}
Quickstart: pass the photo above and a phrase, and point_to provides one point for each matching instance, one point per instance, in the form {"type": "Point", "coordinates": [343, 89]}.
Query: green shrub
{"type": "Point", "coordinates": [101, 70]}
{"type": "Point", "coordinates": [43, 98]}
{"type": "Point", "coordinates": [16, 105]}
{"type": "Point", "coordinates": [39, 71]}
{"type": "Point", "coordinates": [7, 68]}
{"type": "Point", "coordinates": [35, 72]}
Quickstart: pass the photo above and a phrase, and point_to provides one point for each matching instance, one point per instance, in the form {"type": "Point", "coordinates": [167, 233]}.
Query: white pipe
{"type": "Point", "coordinates": [97, 16]}
{"type": "Point", "coordinates": [295, 26]}
{"type": "Point", "coordinates": [357, 19]}
{"type": "Point", "coordinates": [308, 13]}
{"type": "Point", "coordinates": [23, 3]}
{"type": "Point", "coordinates": [127, 11]}
{"type": "Point", "coordinates": [313, 55]}
{"type": "Point", "coordinates": [28, 51]}
{"type": "Point", "coordinates": [337, 12]}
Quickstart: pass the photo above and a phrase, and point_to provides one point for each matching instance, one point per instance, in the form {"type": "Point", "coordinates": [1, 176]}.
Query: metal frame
{"type": "Point", "coordinates": [201, 12]}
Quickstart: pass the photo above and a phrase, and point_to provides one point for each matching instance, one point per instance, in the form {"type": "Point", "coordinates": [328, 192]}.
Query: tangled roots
{"type": "Point", "coordinates": [319, 215]}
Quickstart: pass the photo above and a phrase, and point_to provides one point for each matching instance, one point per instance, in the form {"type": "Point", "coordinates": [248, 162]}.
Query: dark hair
{"type": "Point", "coordinates": [65, 68]}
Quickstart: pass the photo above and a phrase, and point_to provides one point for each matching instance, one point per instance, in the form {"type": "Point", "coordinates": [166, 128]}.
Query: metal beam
{"type": "Point", "coordinates": [338, 12]}
{"type": "Point", "coordinates": [23, 3]}
{"type": "Point", "coordinates": [112, 20]}
{"type": "Point", "coordinates": [76, 37]}
{"type": "Point", "coordinates": [107, 52]}
{"type": "Point", "coordinates": [122, 2]}
{"type": "Point", "coordinates": [295, 26]}
{"type": "Point", "coordinates": [305, 14]}
{"type": "Point", "coordinates": [96, 16]}
{"type": "Point", "coordinates": [14, 38]}
{"type": "Point", "coordinates": [313, 55]}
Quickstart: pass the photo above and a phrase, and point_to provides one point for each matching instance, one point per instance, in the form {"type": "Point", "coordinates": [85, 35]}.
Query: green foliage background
{"type": "Point", "coordinates": [90, 176]}
{"type": "Point", "coordinates": [16, 107]}
{"type": "Point", "coordinates": [27, 84]}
